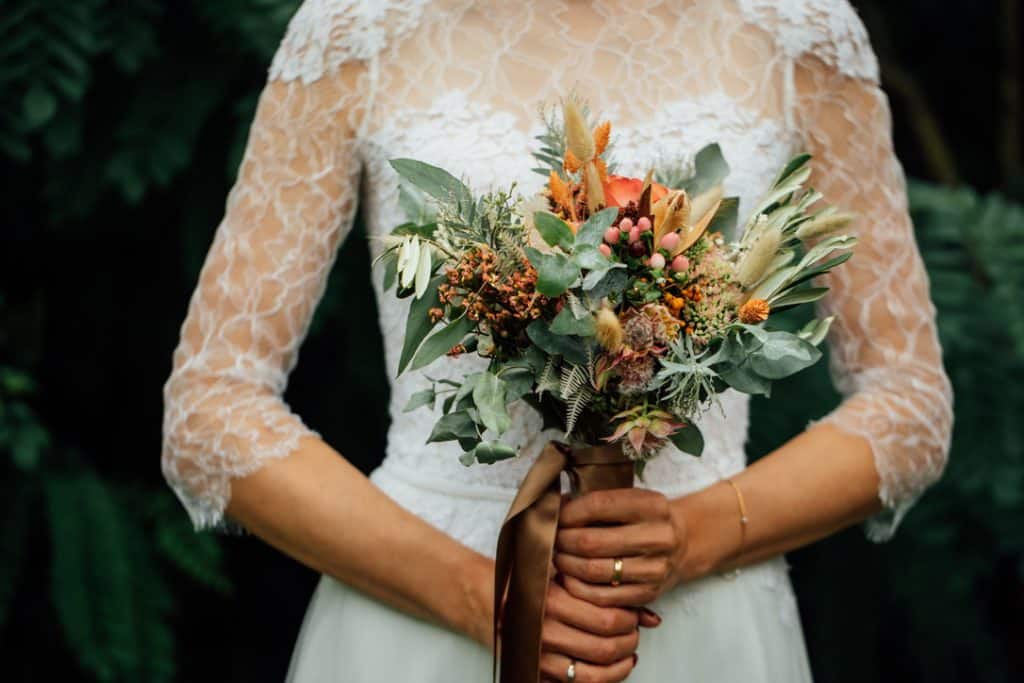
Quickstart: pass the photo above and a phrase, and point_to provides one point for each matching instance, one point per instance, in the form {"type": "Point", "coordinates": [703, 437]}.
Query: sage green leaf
{"type": "Point", "coordinates": [441, 341]}
{"type": "Point", "coordinates": [489, 397]}
{"type": "Point", "coordinates": [554, 230]}
{"type": "Point", "coordinates": [783, 354]}
{"type": "Point", "coordinates": [743, 378]}
{"type": "Point", "coordinates": [689, 440]}
{"type": "Point", "coordinates": [590, 258]}
{"type": "Point", "coordinates": [417, 324]}
{"type": "Point", "coordinates": [794, 164]}
{"type": "Point", "coordinates": [490, 452]}
{"type": "Point", "coordinates": [555, 272]}
{"type": "Point", "coordinates": [797, 296]}
{"type": "Point", "coordinates": [814, 332]}
{"type": "Point", "coordinates": [566, 323]}
{"type": "Point", "coordinates": [436, 182]}
{"type": "Point", "coordinates": [420, 399]}
{"type": "Point", "coordinates": [612, 282]}
{"type": "Point", "coordinates": [453, 426]}
{"type": "Point", "coordinates": [592, 232]}
{"type": "Point", "coordinates": [710, 169]}
{"type": "Point", "coordinates": [726, 218]}
{"type": "Point", "coordinates": [518, 382]}
{"type": "Point", "coordinates": [572, 348]}
{"type": "Point", "coordinates": [390, 270]}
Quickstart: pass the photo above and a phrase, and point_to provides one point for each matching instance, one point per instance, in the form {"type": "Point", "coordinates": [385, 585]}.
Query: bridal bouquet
{"type": "Point", "coordinates": [615, 306]}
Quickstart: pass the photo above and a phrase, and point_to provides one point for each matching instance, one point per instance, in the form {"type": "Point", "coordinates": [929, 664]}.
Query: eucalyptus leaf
{"type": "Point", "coordinates": [419, 399]}
{"type": "Point", "coordinates": [572, 348]}
{"type": "Point", "coordinates": [592, 232]}
{"type": "Point", "coordinates": [555, 272]}
{"type": "Point", "coordinates": [743, 378]}
{"type": "Point", "coordinates": [489, 397]}
{"type": "Point", "coordinates": [567, 323]}
{"type": "Point", "coordinates": [453, 426]}
{"type": "Point", "coordinates": [554, 230]}
{"type": "Point", "coordinates": [710, 169]}
{"type": "Point", "coordinates": [590, 258]}
{"type": "Point", "coordinates": [783, 354]}
{"type": "Point", "coordinates": [611, 282]}
{"type": "Point", "coordinates": [490, 452]}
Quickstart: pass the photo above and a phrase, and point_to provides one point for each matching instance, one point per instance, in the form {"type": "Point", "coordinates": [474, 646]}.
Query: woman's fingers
{"type": "Point", "coordinates": [573, 642]}
{"type": "Point", "coordinates": [598, 570]}
{"type": "Point", "coordinates": [614, 505]}
{"type": "Point", "coordinates": [626, 595]}
{"type": "Point", "coordinates": [555, 666]}
{"type": "Point", "coordinates": [616, 541]}
{"type": "Point", "coordinates": [603, 621]}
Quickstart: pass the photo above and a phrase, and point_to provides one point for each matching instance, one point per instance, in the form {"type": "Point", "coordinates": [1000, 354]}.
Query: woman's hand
{"type": "Point", "coordinates": [602, 640]}
{"type": "Point", "coordinates": [645, 532]}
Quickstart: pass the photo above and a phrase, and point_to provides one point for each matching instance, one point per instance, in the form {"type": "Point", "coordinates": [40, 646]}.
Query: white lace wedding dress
{"type": "Point", "coordinates": [456, 83]}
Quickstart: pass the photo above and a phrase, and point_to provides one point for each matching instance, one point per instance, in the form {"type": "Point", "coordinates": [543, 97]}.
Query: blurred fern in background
{"type": "Point", "coordinates": [121, 126]}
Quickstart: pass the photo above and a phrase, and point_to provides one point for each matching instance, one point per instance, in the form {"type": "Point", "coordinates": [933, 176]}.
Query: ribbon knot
{"type": "Point", "coordinates": [526, 544]}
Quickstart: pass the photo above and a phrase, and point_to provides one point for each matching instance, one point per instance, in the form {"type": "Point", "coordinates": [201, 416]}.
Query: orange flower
{"type": "Point", "coordinates": [754, 311]}
{"type": "Point", "coordinates": [620, 190]}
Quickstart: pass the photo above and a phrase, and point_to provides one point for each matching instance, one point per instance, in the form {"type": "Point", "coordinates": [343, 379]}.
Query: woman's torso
{"type": "Point", "coordinates": [457, 84]}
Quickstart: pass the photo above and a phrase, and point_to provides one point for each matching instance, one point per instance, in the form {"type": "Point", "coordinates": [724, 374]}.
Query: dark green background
{"type": "Point", "coordinates": [121, 126]}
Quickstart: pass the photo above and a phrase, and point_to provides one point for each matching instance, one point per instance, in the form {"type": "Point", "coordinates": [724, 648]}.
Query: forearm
{"type": "Point", "coordinates": [319, 509]}
{"type": "Point", "coordinates": [819, 482]}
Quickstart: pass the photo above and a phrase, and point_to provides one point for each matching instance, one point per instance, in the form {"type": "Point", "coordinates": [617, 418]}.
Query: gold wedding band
{"type": "Point", "coordinates": [570, 673]}
{"type": "Point", "coordinates": [617, 571]}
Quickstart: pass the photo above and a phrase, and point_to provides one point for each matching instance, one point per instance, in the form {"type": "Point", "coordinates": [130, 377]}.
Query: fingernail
{"type": "Point", "coordinates": [652, 613]}
{"type": "Point", "coordinates": [636, 658]}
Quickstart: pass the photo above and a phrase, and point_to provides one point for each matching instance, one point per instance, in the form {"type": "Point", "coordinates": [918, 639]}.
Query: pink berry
{"type": "Point", "coordinates": [626, 224]}
{"type": "Point", "coordinates": [605, 249]}
{"type": "Point", "coordinates": [657, 261]}
{"type": "Point", "coordinates": [612, 235]}
{"type": "Point", "coordinates": [680, 263]}
{"type": "Point", "coordinates": [670, 241]}
{"type": "Point", "coordinates": [644, 224]}
{"type": "Point", "coordinates": [634, 234]}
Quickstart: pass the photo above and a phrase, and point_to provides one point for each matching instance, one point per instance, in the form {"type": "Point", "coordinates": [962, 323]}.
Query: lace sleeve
{"type": "Point", "coordinates": [885, 359]}
{"type": "Point", "coordinates": [289, 209]}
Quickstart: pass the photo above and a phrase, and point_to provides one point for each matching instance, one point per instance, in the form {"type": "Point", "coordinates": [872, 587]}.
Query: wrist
{"type": "Point", "coordinates": [476, 586]}
{"type": "Point", "coordinates": [711, 521]}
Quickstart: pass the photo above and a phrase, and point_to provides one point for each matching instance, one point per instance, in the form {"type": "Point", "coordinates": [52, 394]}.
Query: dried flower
{"type": "Point", "coordinates": [578, 138]}
{"type": "Point", "coordinates": [608, 330]}
{"type": "Point", "coordinates": [703, 202]}
{"type": "Point", "coordinates": [572, 162]}
{"type": "Point", "coordinates": [601, 135]}
{"type": "Point", "coordinates": [754, 311]}
{"type": "Point", "coordinates": [559, 191]}
{"type": "Point", "coordinates": [595, 194]}
{"type": "Point", "coordinates": [826, 221]}
{"type": "Point", "coordinates": [754, 263]}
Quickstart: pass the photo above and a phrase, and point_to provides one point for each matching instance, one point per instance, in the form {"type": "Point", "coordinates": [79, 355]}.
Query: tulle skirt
{"type": "Point", "coordinates": [738, 628]}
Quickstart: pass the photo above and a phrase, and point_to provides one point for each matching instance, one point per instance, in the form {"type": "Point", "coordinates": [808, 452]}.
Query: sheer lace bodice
{"type": "Point", "coordinates": [456, 83]}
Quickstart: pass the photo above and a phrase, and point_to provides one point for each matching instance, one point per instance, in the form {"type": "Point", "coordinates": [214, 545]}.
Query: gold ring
{"type": "Point", "coordinates": [617, 571]}
{"type": "Point", "coordinates": [570, 673]}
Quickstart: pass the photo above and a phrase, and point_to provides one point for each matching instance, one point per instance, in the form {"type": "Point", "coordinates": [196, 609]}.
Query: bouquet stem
{"type": "Point", "coordinates": [526, 544]}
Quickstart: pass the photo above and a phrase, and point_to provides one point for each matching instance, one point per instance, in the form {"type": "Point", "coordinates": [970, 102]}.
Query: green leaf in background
{"type": "Point", "coordinates": [417, 323]}
{"type": "Point", "coordinates": [490, 452]}
{"type": "Point", "coordinates": [710, 169]}
{"type": "Point", "coordinates": [489, 397]}
{"type": "Point", "coordinates": [689, 440]}
{"type": "Point", "coordinates": [726, 218]}
{"type": "Point", "coordinates": [567, 323]}
{"type": "Point", "coordinates": [572, 348]}
{"type": "Point", "coordinates": [436, 182]}
{"type": "Point", "coordinates": [592, 232]}
{"type": "Point", "coordinates": [419, 399]}
{"type": "Point", "coordinates": [39, 106]}
{"type": "Point", "coordinates": [555, 272]}
{"type": "Point", "coordinates": [452, 427]}
{"type": "Point", "coordinates": [554, 230]}
{"type": "Point", "coordinates": [441, 342]}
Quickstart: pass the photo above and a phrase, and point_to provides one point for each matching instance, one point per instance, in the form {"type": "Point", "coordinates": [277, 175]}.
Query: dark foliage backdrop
{"type": "Point", "coordinates": [121, 126]}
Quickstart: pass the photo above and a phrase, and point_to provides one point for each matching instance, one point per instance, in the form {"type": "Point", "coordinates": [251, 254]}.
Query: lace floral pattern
{"type": "Point", "coordinates": [456, 83]}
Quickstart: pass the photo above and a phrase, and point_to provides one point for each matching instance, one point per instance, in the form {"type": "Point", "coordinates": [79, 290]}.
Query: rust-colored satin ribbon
{"type": "Point", "coordinates": [526, 544]}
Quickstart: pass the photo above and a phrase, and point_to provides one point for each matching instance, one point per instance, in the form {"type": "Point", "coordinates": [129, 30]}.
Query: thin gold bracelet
{"type": "Point", "coordinates": [743, 514]}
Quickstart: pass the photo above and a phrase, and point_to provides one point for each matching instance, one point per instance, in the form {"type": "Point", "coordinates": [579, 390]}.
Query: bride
{"type": "Point", "coordinates": [407, 554]}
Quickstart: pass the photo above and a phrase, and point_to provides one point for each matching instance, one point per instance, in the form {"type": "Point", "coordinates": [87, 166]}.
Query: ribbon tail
{"type": "Point", "coordinates": [523, 569]}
